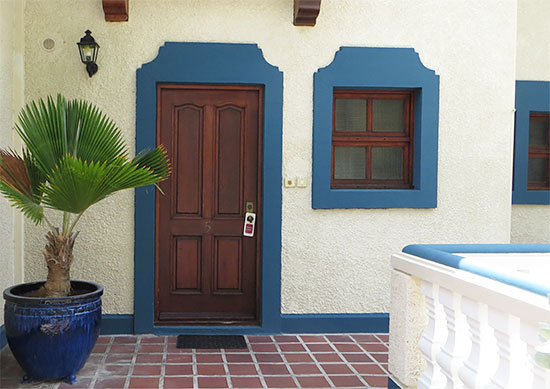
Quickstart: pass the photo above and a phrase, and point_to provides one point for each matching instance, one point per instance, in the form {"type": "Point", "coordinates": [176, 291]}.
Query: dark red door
{"type": "Point", "coordinates": [207, 271]}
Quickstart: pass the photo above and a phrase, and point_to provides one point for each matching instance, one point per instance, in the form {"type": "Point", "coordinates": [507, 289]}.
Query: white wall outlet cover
{"type": "Point", "coordinates": [290, 182]}
{"type": "Point", "coordinates": [301, 182]}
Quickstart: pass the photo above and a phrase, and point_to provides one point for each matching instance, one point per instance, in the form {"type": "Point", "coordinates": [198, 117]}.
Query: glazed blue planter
{"type": "Point", "coordinates": [51, 338]}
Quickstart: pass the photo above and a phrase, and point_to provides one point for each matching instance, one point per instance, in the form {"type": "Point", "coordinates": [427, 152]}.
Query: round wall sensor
{"type": "Point", "coordinates": [48, 44]}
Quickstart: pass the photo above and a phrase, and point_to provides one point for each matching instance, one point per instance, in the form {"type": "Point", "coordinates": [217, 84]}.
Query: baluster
{"type": "Point", "coordinates": [511, 367]}
{"type": "Point", "coordinates": [482, 362]}
{"type": "Point", "coordinates": [540, 377]}
{"type": "Point", "coordinates": [454, 351]}
{"type": "Point", "coordinates": [432, 339]}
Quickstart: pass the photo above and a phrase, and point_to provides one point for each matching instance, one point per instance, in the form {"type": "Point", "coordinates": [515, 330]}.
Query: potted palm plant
{"type": "Point", "coordinates": [73, 157]}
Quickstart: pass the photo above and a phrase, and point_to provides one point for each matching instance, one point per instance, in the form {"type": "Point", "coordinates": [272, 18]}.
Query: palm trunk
{"type": "Point", "coordinates": [58, 254]}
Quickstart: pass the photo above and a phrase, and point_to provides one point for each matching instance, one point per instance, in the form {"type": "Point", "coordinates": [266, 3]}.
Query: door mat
{"type": "Point", "coordinates": [211, 341]}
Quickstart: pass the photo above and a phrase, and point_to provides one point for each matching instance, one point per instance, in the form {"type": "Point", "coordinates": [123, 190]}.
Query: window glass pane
{"type": "Point", "coordinates": [538, 132]}
{"type": "Point", "coordinates": [387, 115]}
{"type": "Point", "coordinates": [538, 170]}
{"type": "Point", "coordinates": [349, 162]}
{"type": "Point", "coordinates": [387, 163]}
{"type": "Point", "coordinates": [351, 115]}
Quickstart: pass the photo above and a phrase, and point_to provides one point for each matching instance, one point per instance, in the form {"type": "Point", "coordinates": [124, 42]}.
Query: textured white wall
{"type": "Point", "coordinates": [531, 223]}
{"type": "Point", "coordinates": [11, 71]}
{"type": "Point", "coordinates": [333, 260]}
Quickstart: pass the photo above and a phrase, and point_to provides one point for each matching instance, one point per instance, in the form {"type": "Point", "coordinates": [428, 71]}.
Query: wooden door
{"type": "Point", "coordinates": [207, 272]}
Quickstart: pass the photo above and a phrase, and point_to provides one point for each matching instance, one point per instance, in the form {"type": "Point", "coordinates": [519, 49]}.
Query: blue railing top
{"type": "Point", "coordinates": [445, 255]}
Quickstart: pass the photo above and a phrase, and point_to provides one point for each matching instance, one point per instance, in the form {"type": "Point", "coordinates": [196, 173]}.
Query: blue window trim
{"type": "Point", "coordinates": [377, 68]}
{"type": "Point", "coordinates": [210, 63]}
{"type": "Point", "coordinates": [531, 96]}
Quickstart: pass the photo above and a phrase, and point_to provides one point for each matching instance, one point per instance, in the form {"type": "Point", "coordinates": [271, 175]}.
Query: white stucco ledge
{"type": "Point", "coordinates": [468, 315]}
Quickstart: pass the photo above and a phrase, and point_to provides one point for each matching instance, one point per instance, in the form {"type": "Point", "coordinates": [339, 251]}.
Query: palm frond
{"type": "Point", "coordinates": [154, 160]}
{"type": "Point", "coordinates": [74, 185]}
{"type": "Point", "coordinates": [36, 177]}
{"type": "Point", "coordinates": [27, 205]}
{"type": "Point", "coordinates": [13, 172]}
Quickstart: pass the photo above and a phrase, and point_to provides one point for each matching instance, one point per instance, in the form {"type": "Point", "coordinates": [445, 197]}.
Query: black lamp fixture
{"type": "Point", "coordinates": [88, 52]}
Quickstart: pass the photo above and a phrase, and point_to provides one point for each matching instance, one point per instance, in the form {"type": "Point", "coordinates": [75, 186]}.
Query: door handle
{"type": "Point", "coordinates": [250, 207]}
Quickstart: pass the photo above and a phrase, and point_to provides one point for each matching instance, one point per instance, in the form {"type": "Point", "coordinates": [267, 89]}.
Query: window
{"type": "Point", "coordinates": [532, 144]}
{"type": "Point", "coordinates": [375, 128]}
{"type": "Point", "coordinates": [539, 152]}
{"type": "Point", "coordinates": [372, 136]}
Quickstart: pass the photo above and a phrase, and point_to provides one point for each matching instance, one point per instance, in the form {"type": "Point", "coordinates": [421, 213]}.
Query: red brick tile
{"type": "Point", "coordinates": [358, 358]}
{"type": "Point", "coordinates": [368, 368]}
{"type": "Point", "coordinates": [380, 357]}
{"type": "Point", "coordinates": [237, 350]}
{"type": "Point", "coordinates": [110, 383]}
{"type": "Point", "coordinates": [125, 339]}
{"type": "Point", "coordinates": [292, 347]}
{"type": "Point", "coordinates": [242, 369]}
{"type": "Point", "coordinates": [264, 348]}
{"type": "Point", "coordinates": [144, 383]}
{"type": "Point", "coordinates": [260, 339]}
{"type": "Point", "coordinates": [153, 339]}
{"type": "Point", "coordinates": [366, 338]}
{"type": "Point", "coordinates": [376, 380]}
{"type": "Point", "coordinates": [171, 348]}
{"type": "Point", "coordinates": [298, 357]}
{"type": "Point", "coordinates": [95, 359]}
{"type": "Point", "coordinates": [119, 358]}
{"type": "Point", "coordinates": [210, 370]}
{"type": "Point", "coordinates": [268, 358]}
{"type": "Point", "coordinates": [305, 368]}
{"type": "Point", "coordinates": [207, 350]}
{"type": "Point", "coordinates": [178, 382]}
{"type": "Point", "coordinates": [327, 358]}
{"type": "Point", "coordinates": [286, 339]}
{"type": "Point", "coordinates": [273, 369]}
{"type": "Point", "coordinates": [13, 382]}
{"type": "Point", "coordinates": [319, 347]}
{"type": "Point", "coordinates": [88, 370]}
{"type": "Point", "coordinates": [122, 349]}
{"type": "Point", "coordinates": [172, 339]}
{"type": "Point", "coordinates": [151, 358]}
{"type": "Point", "coordinates": [346, 381]}
{"type": "Point", "coordinates": [246, 382]}
{"type": "Point", "coordinates": [238, 358]}
{"type": "Point", "coordinates": [151, 348]}
{"type": "Point", "coordinates": [340, 338]}
{"type": "Point", "coordinates": [313, 338]}
{"type": "Point", "coordinates": [374, 347]}
{"type": "Point", "coordinates": [209, 358]}
{"type": "Point", "coordinates": [212, 382]}
{"type": "Point", "coordinates": [103, 339]}
{"type": "Point", "coordinates": [336, 368]}
{"type": "Point", "coordinates": [178, 358]}
{"type": "Point", "coordinates": [347, 348]}
{"type": "Point", "coordinates": [99, 349]}
{"type": "Point", "coordinates": [146, 370]}
{"type": "Point", "coordinates": [185, 369]}
{"type": "Point", "coordinates": [280, 382]}
{"type": "Point", "coordinates": [313, 382]}
{"type": "Point", "coordinates": [384, 337]}
{"type": "Point", "coordinates": [117, 370]}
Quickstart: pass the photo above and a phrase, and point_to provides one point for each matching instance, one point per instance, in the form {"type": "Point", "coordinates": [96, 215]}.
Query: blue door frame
{"type": "Point", "coordinates": [210, 63]}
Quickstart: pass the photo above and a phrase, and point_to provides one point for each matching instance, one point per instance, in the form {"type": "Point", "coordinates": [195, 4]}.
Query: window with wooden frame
{"type": "Point", "coordinates": [538, 173]}
{"type": "Point", "coordinates": [372, 139]}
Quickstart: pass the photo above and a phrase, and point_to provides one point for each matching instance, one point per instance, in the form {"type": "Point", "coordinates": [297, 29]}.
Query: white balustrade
{"type": "Point", "coordinates": [481, 333]}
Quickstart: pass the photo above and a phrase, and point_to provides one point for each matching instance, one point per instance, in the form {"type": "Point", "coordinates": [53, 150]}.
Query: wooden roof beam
{"type": "Point", "coordinates": [306, 12]}
{"type": "Point", "coordinates": [115, 10]}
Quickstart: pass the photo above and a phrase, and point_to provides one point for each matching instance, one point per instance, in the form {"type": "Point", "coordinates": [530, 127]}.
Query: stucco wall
{"type": "Point", "coordinates": [333, 260]}
{"type": "Point", "coordinates": [11, 90]}
{"type": "Point", "coordinates": [531, 223]}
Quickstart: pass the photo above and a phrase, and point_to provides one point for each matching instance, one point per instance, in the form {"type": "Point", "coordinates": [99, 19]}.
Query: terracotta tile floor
{"type": "Point", "coordinates": [281, 361]}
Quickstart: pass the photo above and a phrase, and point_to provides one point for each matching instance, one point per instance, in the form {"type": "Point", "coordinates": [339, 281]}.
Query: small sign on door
{"type": "Point", "coordinates": [249, 223]}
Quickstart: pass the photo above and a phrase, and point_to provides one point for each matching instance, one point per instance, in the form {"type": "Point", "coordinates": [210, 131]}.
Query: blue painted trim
{"type": "Point", "coordinates": [117, 324]}
{"type": "Point", "coordinates": [212, 63]}
{"type": "Point", "coordinates": [377, 68]}
{"type": "Point", "coordinates": [335, 323]}
{"type": "Point", "coordinates": [392, 384]}
{"type": "Point", "coordinates": [3, 340]}
{"type": "Point", "coordinates": [443, 253]}
{"type": "Point", "coordinates": [531, 96]}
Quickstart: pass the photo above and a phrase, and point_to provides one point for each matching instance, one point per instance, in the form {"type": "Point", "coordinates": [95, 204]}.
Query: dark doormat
{"type": "Point", "coordinates": [211, 341]}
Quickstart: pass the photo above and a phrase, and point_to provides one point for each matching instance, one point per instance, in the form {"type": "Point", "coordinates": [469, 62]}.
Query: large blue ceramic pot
{"type": "Point", "coordinates": [52, 338]}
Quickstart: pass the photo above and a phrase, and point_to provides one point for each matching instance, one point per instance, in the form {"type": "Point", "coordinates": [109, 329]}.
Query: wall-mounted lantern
{"type": "Point", "coordinates": [88, 52]}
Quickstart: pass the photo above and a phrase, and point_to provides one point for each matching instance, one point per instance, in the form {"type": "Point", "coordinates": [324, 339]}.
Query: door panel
{"type": "Point", "coordinates": [206, 271]}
